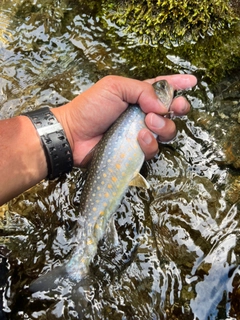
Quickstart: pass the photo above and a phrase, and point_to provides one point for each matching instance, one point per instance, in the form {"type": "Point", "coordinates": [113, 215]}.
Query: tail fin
{"type": "Point", "coordinates": [50, 280]}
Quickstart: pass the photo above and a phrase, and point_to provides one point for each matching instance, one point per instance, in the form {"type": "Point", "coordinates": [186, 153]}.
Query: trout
{"type": "Point", "coordinates": [115, 165]}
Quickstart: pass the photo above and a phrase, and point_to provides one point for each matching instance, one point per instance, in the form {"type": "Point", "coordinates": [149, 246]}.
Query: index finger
{"type": "Point", "coordinates": [177, 81]}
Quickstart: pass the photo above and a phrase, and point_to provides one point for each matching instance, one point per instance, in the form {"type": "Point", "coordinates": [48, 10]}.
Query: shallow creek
{"type": "Point", "coordinates": [179, 241]}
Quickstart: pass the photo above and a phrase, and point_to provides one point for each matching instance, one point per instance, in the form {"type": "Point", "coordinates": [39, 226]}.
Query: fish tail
{"type": "Point", "coordinates": [50, 280]}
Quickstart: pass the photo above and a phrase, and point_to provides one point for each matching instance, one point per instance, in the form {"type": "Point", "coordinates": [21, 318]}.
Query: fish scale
{"type": "Point", "coordinates": [117, 160]}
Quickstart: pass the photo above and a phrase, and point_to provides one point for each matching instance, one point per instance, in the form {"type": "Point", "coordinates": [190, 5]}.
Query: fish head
{"type": "Point", "coordinates": [164, 92]}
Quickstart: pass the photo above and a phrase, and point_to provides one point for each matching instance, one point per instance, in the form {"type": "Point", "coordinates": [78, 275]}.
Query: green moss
{"type": "Point", "coordinates": [168, 20]}
{"type": "Point", "coordinates": [211, 58]}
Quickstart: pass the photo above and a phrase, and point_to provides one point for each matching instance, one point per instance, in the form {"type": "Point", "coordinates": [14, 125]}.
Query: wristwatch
{"type": "Point", "coordinates": [56, 147]}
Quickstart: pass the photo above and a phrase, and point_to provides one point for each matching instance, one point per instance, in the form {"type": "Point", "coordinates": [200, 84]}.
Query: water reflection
{"type": "Point", "coordinates": [178, 250]}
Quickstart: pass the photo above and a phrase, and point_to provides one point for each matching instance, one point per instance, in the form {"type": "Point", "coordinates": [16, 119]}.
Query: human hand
{"type": "Point", "coordinates": [90, 114]}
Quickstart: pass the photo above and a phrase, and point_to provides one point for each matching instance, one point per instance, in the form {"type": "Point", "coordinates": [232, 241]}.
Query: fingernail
{"type": "Point", "coordinates": [185, 107]}
{"type": "Point", "coordinates": [157, 121]}
{"type": "Point", "coordinates": [147, 137]}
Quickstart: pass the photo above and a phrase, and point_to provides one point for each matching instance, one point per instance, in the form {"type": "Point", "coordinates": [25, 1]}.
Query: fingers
{"type": "Point", "coordinates": [120, 91]}
{"type": "Point", "coordinates": [180, 106]}
{"type": "Point", "coordinates": [148, 143]}
{"type": "Point", "coordinates": [177, 81]}
{"type": "Point", "coordinates": [163, 127]}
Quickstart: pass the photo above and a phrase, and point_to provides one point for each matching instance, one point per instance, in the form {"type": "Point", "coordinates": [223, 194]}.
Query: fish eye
{"type": "Point", "coordinates": [160, 85]}
{"type": "Point", "coordinates": [163, 84]}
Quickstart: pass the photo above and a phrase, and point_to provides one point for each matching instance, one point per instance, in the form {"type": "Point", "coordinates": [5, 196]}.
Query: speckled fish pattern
{"type": "Point", "coordinates": [116, 161]}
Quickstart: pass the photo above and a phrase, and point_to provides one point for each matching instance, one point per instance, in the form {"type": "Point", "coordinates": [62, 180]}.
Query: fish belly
{"type": "Point", "coordinates": [117, 159]}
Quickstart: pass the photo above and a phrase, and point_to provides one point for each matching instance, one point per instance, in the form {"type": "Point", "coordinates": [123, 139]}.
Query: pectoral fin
{"type": "Point", "coordinates": [139, 181]}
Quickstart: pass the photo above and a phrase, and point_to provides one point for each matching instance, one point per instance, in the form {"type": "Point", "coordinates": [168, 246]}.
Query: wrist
{"type": "Point", "coordinates": [66, 116]}
{"type": "Point", "coordinates": [36, 163]}
{"type": "Point", "coordinates": [61, 115]}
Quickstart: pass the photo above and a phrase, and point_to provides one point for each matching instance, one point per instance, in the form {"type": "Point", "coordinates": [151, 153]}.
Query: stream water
{"type": "Point", "coordinates": [179, 249]}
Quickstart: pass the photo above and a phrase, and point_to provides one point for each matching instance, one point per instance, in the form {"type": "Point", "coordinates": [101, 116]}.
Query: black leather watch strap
{"type": "Point", "coordinates": [56, 146]}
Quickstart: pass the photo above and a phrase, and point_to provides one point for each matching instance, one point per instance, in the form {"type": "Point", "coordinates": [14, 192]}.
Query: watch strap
{"type": "Point", "coordinates": [54, 141]}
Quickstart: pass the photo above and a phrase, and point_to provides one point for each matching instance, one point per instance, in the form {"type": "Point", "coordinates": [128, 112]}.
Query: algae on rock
{"type": "Point", "coordinates": [165, 20]}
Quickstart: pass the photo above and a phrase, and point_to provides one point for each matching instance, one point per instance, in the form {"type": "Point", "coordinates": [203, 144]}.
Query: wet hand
{"type": "Point", "coordinates": [89, 115]}
{"type": "Point", "coordinates": [162, 126]}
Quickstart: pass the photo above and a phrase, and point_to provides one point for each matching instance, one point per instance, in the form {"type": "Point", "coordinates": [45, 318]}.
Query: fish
{"type": "Point", "coordinates": [115, 165]}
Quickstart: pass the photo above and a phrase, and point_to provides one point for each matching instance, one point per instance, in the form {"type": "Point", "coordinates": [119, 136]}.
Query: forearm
{"type": "Point", "coordinates": [22, 160]}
